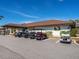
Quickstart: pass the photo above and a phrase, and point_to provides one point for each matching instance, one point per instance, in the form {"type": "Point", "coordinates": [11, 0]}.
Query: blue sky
{"type": "Point", "coordinates": [25, 11]}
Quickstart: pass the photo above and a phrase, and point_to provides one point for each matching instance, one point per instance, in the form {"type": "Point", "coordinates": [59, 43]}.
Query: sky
{"type": "Point", "coordinates": [26, 11]}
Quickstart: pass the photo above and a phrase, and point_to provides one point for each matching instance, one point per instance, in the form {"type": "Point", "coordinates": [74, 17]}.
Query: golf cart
{"type": "Point", "coordinates": [65, 37]}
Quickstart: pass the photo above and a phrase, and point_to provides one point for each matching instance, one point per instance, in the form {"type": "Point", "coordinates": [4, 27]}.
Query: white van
{"type": "Point", "coordinates": [65, 37]}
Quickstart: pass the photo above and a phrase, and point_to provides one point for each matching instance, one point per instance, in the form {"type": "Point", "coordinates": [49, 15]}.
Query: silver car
{"type": "Point", "coordinates": [65, 39]}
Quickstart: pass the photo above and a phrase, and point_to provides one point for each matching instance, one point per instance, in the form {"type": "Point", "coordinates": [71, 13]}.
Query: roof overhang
{"type": "Point", "coordinates": [14, 25]}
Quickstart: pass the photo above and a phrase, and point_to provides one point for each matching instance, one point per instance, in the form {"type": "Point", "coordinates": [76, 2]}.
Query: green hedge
{"type": "Point", "coordinates": [64, 32]}
{"type": "Point", "coordinates": [73, 32]}
{"type": "Point", "coordinates": [49, 34]}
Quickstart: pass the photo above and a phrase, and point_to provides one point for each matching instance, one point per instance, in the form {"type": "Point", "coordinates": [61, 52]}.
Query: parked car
{"type": "Point", "coordinates": [32, 35]}
{"type": "Point", "coordinates": [65, 39]}
{"type": "Point", "coordinates": [18, 34]}
{"type": "Point", "coordinates": [41, 36]}
{"type": "Point", "coordinates": [24, 34]}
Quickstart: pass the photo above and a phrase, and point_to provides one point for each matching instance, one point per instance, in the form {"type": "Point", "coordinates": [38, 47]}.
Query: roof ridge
{"type": "Point", "coordinates": [42, 21]}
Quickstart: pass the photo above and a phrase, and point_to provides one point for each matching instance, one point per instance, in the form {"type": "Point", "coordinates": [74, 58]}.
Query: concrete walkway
{"type": "Point", "coordinates": [33, 49]}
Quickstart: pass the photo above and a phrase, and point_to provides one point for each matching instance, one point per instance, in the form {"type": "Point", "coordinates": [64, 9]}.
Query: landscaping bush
{"type": "Point", "coordinates": [64, 32]}
{"type": "Point", "coordinates": [49, 34]}
{"type": "Point", "coordinates": [73, 32]}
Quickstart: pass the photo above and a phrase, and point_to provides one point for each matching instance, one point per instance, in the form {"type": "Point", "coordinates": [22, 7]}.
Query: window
{"type": "Point", "coordinates": [65, 27]}
{"type": "Point", "coordinates": [57, 28]}
{"type": "Point", "coordinates": [13, 30]}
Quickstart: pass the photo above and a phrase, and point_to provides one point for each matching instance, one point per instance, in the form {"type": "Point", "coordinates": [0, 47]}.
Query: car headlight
{"type": "Point", "coordinates": [68, 40]}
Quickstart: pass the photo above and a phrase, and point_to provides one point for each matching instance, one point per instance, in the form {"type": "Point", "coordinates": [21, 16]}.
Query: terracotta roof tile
{"type": "Point", "coordinates": [35, 24]}
{"type": "Point", "coordinates": [44, 23]}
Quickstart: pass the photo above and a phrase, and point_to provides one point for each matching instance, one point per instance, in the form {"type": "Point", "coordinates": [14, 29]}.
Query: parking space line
{"type": "Point", "coordinates": [57, 41]}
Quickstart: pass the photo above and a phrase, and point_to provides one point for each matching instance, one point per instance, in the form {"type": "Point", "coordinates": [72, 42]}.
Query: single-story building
{"type": "Point", "coordinates": [77, 24]}
{"type": "Point", "coordinates": [1, 30]}
{"type": "Point", "coordinates": [10, 29]}
{"type": "Point", "coordinates": [53, 27]}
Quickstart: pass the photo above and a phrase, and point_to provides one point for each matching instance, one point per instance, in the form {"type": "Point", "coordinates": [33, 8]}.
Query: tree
{"type": "Point", "coordinates": [74, 29]}
{"type": "Point", "coordinates": [70, 20]}
{"type": "Point", "coordinates": [77, 20]}
{"type": "Point", "coordinates": [1, 17]}
{"type": "Point", "coordinates": [73, 23]}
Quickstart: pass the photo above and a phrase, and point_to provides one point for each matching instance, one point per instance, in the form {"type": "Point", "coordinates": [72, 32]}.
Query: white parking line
{"type": "Point", "coordinates": [57, 41]}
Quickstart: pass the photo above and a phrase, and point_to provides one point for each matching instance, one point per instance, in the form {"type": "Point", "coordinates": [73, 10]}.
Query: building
{"type": "Point", "coordinates": [52, 27]}
{"type": "Point", "coordinates": [1, 30]}
{"type": "Point", "coordinates": [10, 29]}
{"type": "Point", "coordinates": [77, 26]}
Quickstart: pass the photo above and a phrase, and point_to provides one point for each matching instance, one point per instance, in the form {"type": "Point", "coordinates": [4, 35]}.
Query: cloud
{"type": "Point", "coordinates": [20, 13]}
{"type": "Point", "coordinates": [61, 0]}
{"type": "Point", "coordinates": [24, 14]}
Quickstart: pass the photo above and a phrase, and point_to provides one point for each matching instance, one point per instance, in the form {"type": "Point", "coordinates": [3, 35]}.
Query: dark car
{"type": "Point", "coordinates": [65, 39]}
{"type": "Point", "coordinates": [25, 34]}
{"type": "Point", "coordinates": [32, 35]}
{"type": "Point", "coordinates": [41, 36]}
{"type": "Point", "coordinates": [22, 34]}
{"type": "Point", "coordinates": [18, 34]}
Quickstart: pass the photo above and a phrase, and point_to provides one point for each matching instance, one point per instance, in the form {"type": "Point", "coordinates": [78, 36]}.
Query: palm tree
{"type": "Point", "coordinates": [1, 17]}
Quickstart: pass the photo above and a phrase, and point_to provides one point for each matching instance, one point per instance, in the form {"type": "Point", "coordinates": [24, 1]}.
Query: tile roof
{"type": "Point", "coordinates": [45, 23]}
{"type": "Point", "coordinates": [36, 24]}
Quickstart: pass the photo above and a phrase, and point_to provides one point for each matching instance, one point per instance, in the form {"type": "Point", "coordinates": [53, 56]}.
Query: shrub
{"type": "Point", "coordinates": [49, 34]}
{"type": "Point", "coordinates": [64, 32]}
{"type": "Point", "coordinates": [73, 32]}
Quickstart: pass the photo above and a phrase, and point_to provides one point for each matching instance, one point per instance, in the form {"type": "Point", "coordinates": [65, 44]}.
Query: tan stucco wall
{"type": "Point", "coordinates": [13, 29]}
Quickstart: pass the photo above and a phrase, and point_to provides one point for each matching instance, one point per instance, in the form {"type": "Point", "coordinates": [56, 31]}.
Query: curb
{"type": "Point", "coordinates": [75, 42]}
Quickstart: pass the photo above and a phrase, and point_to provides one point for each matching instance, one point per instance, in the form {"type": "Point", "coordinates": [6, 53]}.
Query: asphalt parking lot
{"type": "Point", "coordinates": [22, 48]}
